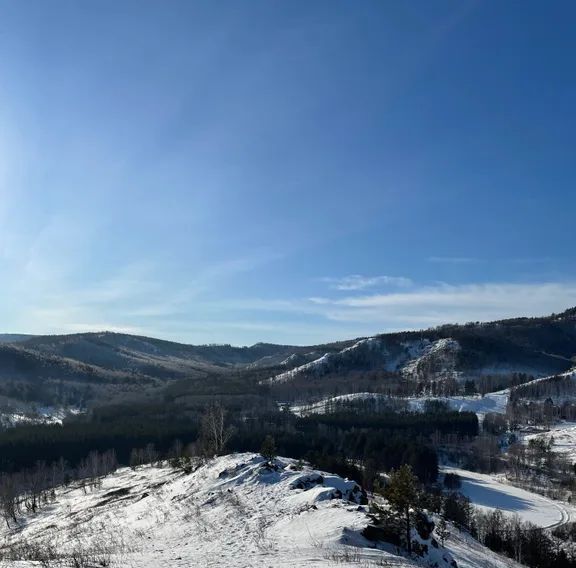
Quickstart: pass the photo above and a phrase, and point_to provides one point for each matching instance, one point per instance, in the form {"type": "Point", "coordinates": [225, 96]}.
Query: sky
{"type": "Point", "coordinates": [293, 172]}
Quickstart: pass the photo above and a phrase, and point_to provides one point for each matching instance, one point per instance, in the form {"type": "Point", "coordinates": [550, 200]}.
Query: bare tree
{"type": "Point", "coordinates": [8, 498]}
{"type": "Point", "coordinates": [214, 435]}
{"type": "Point", "coordinates": [150, 454]}
{"type": "Point", "coordinates": [109, 462]}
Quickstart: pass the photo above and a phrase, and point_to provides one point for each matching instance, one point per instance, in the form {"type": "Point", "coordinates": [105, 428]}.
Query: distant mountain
{"type": "Point", "coordinates": [87, 367]}
{"type": "Point", "coordinates": [84, 368]}
{"type": "Point", "coordinates": [13, 337]}
{"type": "Point", "coordinates": [532, 346]}
{"type": "Point", "coordinates": [159, 358]}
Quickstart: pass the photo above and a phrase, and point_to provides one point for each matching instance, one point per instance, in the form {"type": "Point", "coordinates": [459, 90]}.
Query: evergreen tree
{"type": "Point", "coordinates": [442, 530]}
{"type": "Point", "coordinates": [268, 449]}
{"type": "Point", "coordinates": [403, 495]}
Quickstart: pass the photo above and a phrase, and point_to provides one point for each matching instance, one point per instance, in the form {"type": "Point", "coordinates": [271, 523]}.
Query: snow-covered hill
{"type": "Point", "coordinates": [492, 402]}
{"type": "Point", "coordinates": [560, 387]}
{"type": "Point", "coordinates": [413, 358]}
{"type": "Point", "coordinates": [431, 359]}
{"type": "Point", "coordinates": [118, 365]}
{"type": "Point", "coordinates": [535, 347]}
{"type": "Point", "coordinates": [232, 512]}
{"type": "Point", "coordinates": [328, 362]}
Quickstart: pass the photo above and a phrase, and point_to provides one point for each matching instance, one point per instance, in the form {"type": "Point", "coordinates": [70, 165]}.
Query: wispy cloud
{"type": "Point", "coordinates": [359, 282]}
{"type": "Point", "coordinates": [448, 303]}
{"type": "Point", "coordinates": [422, 307]}
{"type": "Point", "coordinates": [53, 289]}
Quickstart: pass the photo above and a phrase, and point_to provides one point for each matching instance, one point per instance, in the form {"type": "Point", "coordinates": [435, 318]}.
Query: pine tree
{"type": "Point", "coordinates": [268, 449]}
{"type": "Point", "coordinates": [442, 530]}
{"type": "Point", "coordinates": [403, 495]}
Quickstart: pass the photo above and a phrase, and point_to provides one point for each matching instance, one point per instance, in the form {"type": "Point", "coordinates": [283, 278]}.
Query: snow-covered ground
{"type": "Point", "coordinates": [324, 405]}
{"type": "Point", "coordinates": [491, 402]}
{"type": "Point", "coordinates": [481, 405]}
{"type": "Point", "coordinates": [10, 417]}
{"type": "Point", "coordinates": [564, 438]}
{"type": "Point", "coordinates": [488, 493]}
{"type": "Point", "coordinates": [231, 512]}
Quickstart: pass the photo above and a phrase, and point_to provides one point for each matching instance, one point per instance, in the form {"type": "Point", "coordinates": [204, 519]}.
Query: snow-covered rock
{"type": "Point", "coordinates": [431, 359]}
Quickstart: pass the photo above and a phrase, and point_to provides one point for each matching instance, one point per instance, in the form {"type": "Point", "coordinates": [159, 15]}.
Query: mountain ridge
{"type": "Point", "coordinates": [83, 367]}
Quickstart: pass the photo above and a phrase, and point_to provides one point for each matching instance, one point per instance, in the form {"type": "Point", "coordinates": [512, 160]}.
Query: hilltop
{"type": "Point", "coordinates": [234, 511]}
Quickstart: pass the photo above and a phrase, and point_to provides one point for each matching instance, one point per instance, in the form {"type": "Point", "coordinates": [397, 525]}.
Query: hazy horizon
{"type": "Point", "coordinates": [296, 344]}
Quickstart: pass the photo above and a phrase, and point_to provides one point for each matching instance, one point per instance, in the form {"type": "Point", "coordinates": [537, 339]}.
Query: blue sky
{"type": "Point", "coordinates": [297, 171]}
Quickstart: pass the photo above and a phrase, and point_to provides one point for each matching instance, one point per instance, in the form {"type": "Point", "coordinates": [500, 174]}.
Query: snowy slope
{"type": "Point", "coordinates": [544, 387]}
{"type": "Point", "coordinates": [330, 361]}
{"type": "Point", "coordinates": [231, 512]}
{"type": "Point", "coordinates": [324, 405]}
{"type": "Point", "coordinates": [491, 402]}
{"type": "Point", "coordinates": [481, 405]}
{"type": "Point", "coordinates": [469, 553]}
{"type": "Point", "coordinates": [427, 359]}
{"type": "Point", "coordinates": [414, 359]}
{"type": "Point", "coordinates": [488, 493]}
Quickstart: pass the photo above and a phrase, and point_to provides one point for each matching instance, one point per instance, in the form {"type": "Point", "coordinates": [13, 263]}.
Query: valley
{"type": "Point", "coordinates": [287, 284]}
{"type": "Point", "coordinates": [179, 455]}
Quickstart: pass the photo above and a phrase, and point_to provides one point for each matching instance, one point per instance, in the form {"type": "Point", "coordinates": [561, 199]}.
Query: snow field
{"type": "Point", "coordinates": [488, 493]}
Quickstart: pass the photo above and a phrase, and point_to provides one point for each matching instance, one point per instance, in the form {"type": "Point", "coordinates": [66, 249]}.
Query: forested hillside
{"type": "Point", "coordinates": [86, 369]}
